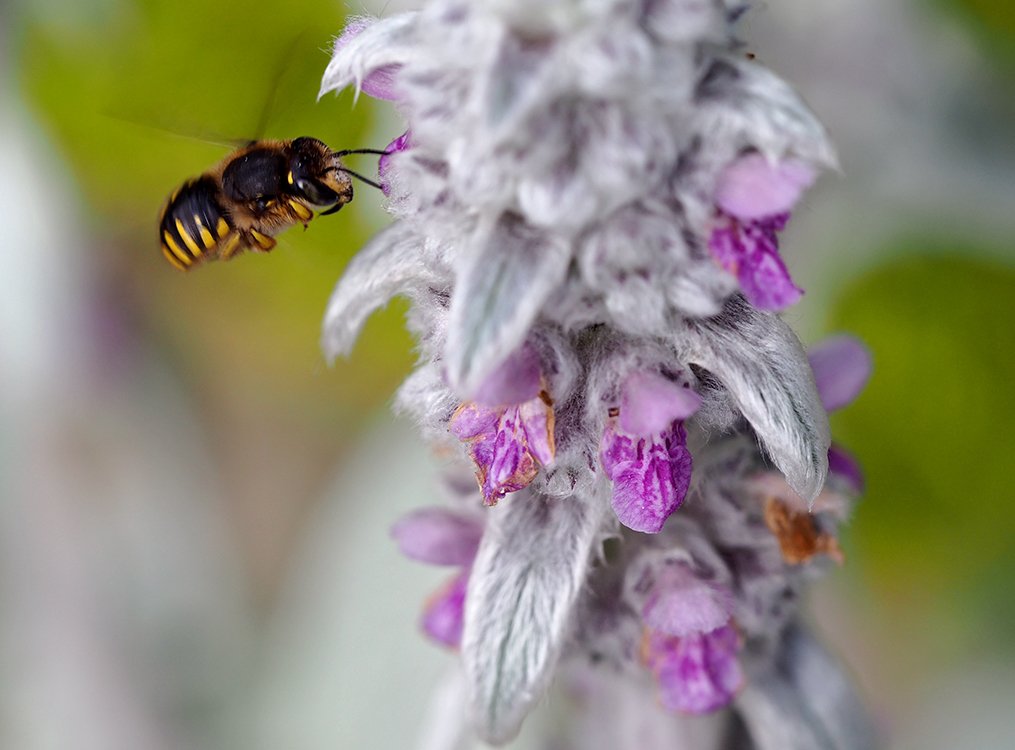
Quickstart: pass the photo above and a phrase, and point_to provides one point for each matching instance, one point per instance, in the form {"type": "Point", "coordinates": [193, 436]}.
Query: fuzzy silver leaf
{"type": "Point", "coordinates": [384, 42]}
{"type": "Point", "coordinates": [776, 720]}
{"type": "Point", "coordinates": [521, 72]}
{"type": "Point", "coordinates": [388, 265]}
{"type": "Point", "coordinates": [800, 700]}
{"type": "Point", "coordinates": [830, 696]}
{"type": "Point", "coordinates": [501, 285]}
{"type": "Point", "coordinates": [426, 398]}
{"type": "Point", "coordinates": [528, 573]}
{"type": "Point", "coordinates": [744, 105]}
{"type": "Point", "coordinates": [761, 363]}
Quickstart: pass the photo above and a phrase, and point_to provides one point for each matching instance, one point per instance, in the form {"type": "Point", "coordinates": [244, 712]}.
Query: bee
{"type": "Point", "coordinates": [251, 196]}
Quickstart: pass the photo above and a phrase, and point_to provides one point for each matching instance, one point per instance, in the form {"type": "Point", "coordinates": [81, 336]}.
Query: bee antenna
{"type": "Point", "coordinates": [360, 177]}
{"type": "Point", "coordinates": [349, 151]}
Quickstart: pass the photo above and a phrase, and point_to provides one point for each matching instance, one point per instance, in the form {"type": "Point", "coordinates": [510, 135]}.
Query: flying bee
{"type": "Point", "coordinates": [254, 194]}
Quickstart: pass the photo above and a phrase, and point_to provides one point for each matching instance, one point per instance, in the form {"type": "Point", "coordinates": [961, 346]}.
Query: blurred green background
{"type": "Point", "coordinates": [180, 465]}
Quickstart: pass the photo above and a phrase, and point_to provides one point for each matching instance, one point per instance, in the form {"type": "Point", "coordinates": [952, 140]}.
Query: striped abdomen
{"type": "Point", "coordinates": [193, 224]}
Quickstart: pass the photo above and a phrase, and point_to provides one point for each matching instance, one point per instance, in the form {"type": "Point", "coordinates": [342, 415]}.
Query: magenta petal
{"type": "Point", "coordinates": [382, 83]}
{"type": "Point", "coordinates": [650, 475]}
{"type": "Point", "coordinates": [752, 187]}
{"type": "Point", "coordinates": [444, 612]}
{"type": "Point", "coordinates": [616, 448]}
{"type": "Point", "coordinates": [511, 464]}
{"type": "Point", "coordinates": [438, 536]}
{"type": "Point", "coordinates": [842, 464]}
{"type": "Point", "coordinates": [682, 604]}
{"type": "Point", "coordinates": [537, 421]}
{"type": "Point", "coordinates": [650, 402]}
{"type": "Point", "coordinates": [481, 450]}
{"type": "Point", "coordinates": [507, 445]}
{"type": "Point", "coordinates": [378, 83]}
{"type": "Point", "coordinates": [767, 284]}
{"type": "Point", "coordinates": [751, 252]}
{"type": "Point", "coordinates": [472, 420]}
{"type": "Point", "coordinates": [697, 674]}
{"type": "Point", "coordinates": [401, 143]}
{"type": "Point", "coordinates": [516, 380]}
{"type": "Point", "coordinates": [841, 365]}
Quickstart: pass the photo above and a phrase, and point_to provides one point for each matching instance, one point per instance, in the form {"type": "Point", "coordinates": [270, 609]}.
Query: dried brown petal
{"type": "Point", "coordinates": [798, 534]}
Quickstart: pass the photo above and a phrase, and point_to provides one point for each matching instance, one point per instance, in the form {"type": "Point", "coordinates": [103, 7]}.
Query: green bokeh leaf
{"type": "Point", "coordinates": [993, 21]}
{"type": "Point", "coordinates": [935, 430]}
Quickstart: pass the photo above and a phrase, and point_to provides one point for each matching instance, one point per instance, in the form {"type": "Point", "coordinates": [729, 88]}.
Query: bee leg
{"type": "Point", "coordinates": [261, 242]}
{"type": "Point", "coordinates": [232, 245]}
{"type": "Point", "coordinates": [301, 213]}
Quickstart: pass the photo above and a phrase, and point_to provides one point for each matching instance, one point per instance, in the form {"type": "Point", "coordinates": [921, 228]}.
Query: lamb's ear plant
{"type": "Point", "coordinates": [587, 203]}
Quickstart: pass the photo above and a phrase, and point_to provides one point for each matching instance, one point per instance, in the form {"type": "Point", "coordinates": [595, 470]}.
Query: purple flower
{"type": "Point", "coordinates": [508, 427]}
{"type": "Point", "coordinates": [689, 642]}
{"type": "Point", "coordinates": [650, 474]}
{"type": "Point", "coordinates": [696, 673]}
{"type": "Point", "coordinates": [401, 143]}
{"type": "Point", "coordinates": [754, 197]}
{"type": "Point", "coordinates": [750, 251]}
{"type": "Point", "coordinates": [507, 444]}
{"type": "Point", "coordinates": [679, 603]}
{"type": "Point", "coordinates": [440, 536]}
{"type": "Point", "coordinates": [842, 365]}
{"type": "Point", "coordinates": [518, 379]}
{"type": "Point", "coordinates": [752, 187]}
{"type": "Point", "coordinates": [644, 450]}
{"type": "Point", "coordinates": [444, 611]}
{"type": "Point", "coordinates": [842, 464]}
{"type": "Point", "coordinates": [379, 83]}
{"type": "Point", "coordinates": [650, 402]}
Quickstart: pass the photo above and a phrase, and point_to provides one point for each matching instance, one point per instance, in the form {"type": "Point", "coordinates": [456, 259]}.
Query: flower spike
{"type": "Point", "coordinates": [587, 198]}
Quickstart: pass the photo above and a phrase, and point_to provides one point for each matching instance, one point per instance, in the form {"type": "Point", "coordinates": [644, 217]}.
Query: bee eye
{"type": "Point", "coordinates": [315, 192]}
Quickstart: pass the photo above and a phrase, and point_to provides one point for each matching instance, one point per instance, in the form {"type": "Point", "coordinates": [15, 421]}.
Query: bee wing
{"type": "Point", "coordinates": [186, 131]}
{"type": "Point", "coordinates": [284, 62]}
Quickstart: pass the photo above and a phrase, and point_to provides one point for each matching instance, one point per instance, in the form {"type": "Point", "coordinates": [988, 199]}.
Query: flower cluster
{"type": "Point", "coordinates": [587, 199]}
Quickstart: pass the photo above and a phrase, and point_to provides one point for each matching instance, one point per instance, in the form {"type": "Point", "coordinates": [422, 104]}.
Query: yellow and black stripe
{"type": "Point", "coordinates": [193, 224]}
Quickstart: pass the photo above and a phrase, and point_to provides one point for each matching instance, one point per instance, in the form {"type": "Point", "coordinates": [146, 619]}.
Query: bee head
{"type": "Point", "coordinates": [315, 176]}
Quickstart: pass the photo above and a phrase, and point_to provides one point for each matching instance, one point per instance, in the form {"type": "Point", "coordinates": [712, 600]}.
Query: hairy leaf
{"type": "Point", "coordinates": [531, 564]}
{"type": "Point", "coordinates": [501, 285]}
{"type": "Point", "coordinates": [760, 362]}
{"type": "Point", "coordinates": [386, 266]}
